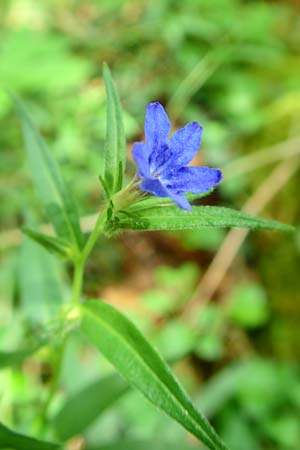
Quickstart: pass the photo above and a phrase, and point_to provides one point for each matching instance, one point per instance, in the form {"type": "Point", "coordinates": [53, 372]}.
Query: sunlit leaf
{"type": "Point", "coordinates": [133, 356]}
{"type": "Point", "coordinates": [174, 218]}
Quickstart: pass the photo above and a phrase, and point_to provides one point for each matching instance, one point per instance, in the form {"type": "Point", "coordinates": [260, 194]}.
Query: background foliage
{"type": "Point", "coordinates": [233, 66]}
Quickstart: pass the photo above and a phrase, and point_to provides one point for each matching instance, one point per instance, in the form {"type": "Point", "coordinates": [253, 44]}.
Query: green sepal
{"type": "Point", "coordinates": [151, 201]}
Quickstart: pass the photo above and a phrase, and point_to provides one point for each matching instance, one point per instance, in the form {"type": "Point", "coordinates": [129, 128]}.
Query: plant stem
{"type": "Point", "coordinates": [77, 281]}
{"type": "Point", "coordinates": [79, 265]}
{"type": "Point", "coordinates": [81, 260]}
{"type": "Point", "coordinates": [94, 236]}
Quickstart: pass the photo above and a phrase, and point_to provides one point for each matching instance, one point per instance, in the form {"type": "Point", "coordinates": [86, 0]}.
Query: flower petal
{"type": "Point", "coordinates": [154, 186]}
{"type": "Point", "coordinates": [194, 179]}
{"type": "Point", "coordinates": [180, 200]}
{"type": "Point", "coordinates": [157, 125]}
{"type": "Point", "coordinates": [140, 155]}
{"type": "Point", "coordinates": [184, 144]}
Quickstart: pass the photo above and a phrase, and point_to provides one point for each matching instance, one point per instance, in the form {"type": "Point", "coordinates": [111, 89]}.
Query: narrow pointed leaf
{"type": "Point", "coordinates": [174, 218]}
{"type": "Point", "coordinates": [56, 199]}
{"type": "Point", "coordinates": [91, 401]}
{"type": "Point", "coordinates": [115, 144]}
{"type": "Point", "coordinates": [12, 440]}
{"type": "Point", "coordinates": [50, 243]}
{"type": "Point", "coordinates": [133, 356]}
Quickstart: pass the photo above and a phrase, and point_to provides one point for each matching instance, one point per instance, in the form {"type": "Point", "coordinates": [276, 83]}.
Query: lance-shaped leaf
{"type": "Point", "coordinates": [174, 218]}
{"type": "Point", "coordinates": [115, 144]}
{"type": "Point", "coordinates": [56, 199]}
{"type": "Point", "coordinates": [12, 440]}
{"type": "Point", "coordinates": [91, 401]}
{"type": "Point", "coordinates": [50, 243]}
{"type": "Point", "coordinates": [133, 356]}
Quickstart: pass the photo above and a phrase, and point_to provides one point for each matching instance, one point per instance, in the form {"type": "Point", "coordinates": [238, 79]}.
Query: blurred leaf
{"type": "Point", "coordinates": [145, 445]}
{"type": "Point", "coordinates": [39, 283]}
{"type": "Point", "coordinates": [284, 430]}
{"type": "Point", "coordinates": [174, 218]}
{"type": "Point", "coordinates": [220, 388]}
{"type": "Point", "coordinates": [239, 431]}
{"type": "Point", "coordinates": [125, 347]}
{"type": "Point", "coordinates": [8, 359]}
{"type": "Point", "coordinates": [158, 301]}
{"type": "Point", "coordinates": [49, 184]}
{"type": "Point", "coordinates": [261, 389]}
{"type": "Point", "coordinates": [115, 145]}
{"type": "Point", "coordinates": [209, 346]}
{"type": "Point", "coordinates": [91, 401]}
{"type": "Point", "coordinates": [9, 439]}
{"type": "Point", "coordinates": [202, 239]}
{"type": "Point", "coordinates": [50, 243]}
{"type": "Point", "coordinates": [42, 56]}
{"type": "Point", "coordinates": [247, 305]}
{"type": "Point", "coordinates": [175, 340]}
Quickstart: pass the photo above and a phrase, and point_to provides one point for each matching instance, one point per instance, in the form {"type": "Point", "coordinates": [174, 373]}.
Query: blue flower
{"type": "Point", "coordinates": [162, 160]}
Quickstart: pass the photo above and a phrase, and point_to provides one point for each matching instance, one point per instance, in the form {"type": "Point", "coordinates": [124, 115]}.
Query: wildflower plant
{"type": "Point", "coordinates": [159, 197]}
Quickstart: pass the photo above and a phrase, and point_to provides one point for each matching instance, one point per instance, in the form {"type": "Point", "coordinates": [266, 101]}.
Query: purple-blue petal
{"type": "Point", "coordinates": [141, 157]}
{"type": "Point", "coordinates": [184, 145]}
{"type": "Point", "coordinates": [180, 200]}
{"type": "Point", "coordinates": [196, 180]}
{"type": "Point", "coordinates": [154, 187]}
{"type": "Point", "coordinates": [157, 125]}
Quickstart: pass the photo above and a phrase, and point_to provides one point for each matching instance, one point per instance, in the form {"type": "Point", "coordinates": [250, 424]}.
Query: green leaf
{"type": "Point", "coordinates": [51, 243]}
{"type": "Point", "coordinates": [146, 445]}
{"type": "Point", "coordinates": [132, 355]}
{"type": "Point", "coordinates": [248, 305]}
{"type": "Point", "coordinates": [115, 144]}
{"type": "Point", "coordinates": [56, 199]}
{"type": "Point", "coordinates": [8, 359]}
{"type": "Point", "coordinates": [174, 218]}
{"type": "Point", "coordinates": [9, 439]}
{"type": "Point", "coordinates": [91, 401]}
{"type": "Point", "coordinates": [39, 283]}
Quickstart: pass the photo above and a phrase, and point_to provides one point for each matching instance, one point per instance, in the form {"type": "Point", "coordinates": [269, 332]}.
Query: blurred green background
{"type": "Point", "coordinates": [223, 308]}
